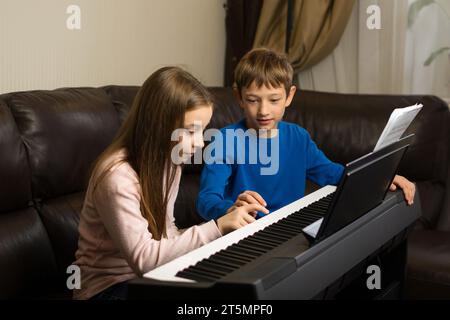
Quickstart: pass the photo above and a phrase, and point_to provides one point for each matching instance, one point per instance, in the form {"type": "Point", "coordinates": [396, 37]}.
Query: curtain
{"type": "Point", "coordinates": [389, 60]}
{"type": "Point", "coordinates": [240, 22]}
{"type": "Point", "coordinates": [317, 26]}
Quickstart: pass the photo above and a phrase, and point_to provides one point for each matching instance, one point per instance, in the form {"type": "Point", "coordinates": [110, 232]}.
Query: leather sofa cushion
{"type": "Point", "coordinates": [429, 264]}
{"type": "Point", "coordinates": [444, 219]}
{"type": "Point", "coordinates": [64, 131]}
{"type": "Point", "coordinates": [122, 98]}
{"type": "Point", "coordinates": [15, 188]}
{"type": "Point", "coordinates": [27, 263]}
{"type": "Point", "coordinates": [61, 217]}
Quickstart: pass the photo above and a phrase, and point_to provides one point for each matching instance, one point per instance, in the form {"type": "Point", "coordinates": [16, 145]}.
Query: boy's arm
{"type": "Point", "coordinates": [319, 169]}
{"type": "Point", "coordinates": [211, 203]}
{"type": "Point", "coordinates": [323, 171]}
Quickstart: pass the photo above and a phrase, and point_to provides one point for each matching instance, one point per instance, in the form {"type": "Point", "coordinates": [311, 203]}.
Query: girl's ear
{"type": "Point", "coordinates": [290, 95]}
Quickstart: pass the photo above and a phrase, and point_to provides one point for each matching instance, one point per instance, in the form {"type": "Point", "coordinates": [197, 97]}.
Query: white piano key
{"type": "Point", "coordinates": [168, 271]}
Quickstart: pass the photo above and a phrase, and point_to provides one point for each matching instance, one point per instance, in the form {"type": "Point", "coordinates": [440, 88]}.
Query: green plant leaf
{"type": "Point", "coordinates": [415, 8]}
{"type": "Point", "coordinates": [434, 55]}
{"type": "Point", "coordinates": [445, 6]}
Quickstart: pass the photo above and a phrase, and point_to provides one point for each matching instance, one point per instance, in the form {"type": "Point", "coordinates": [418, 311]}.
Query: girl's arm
{"type": "Point", "coordinates": [117, 200]}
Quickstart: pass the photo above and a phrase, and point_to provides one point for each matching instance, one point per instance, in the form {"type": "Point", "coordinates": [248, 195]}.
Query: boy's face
{"type": "Point", "coordinates": [264, 106]}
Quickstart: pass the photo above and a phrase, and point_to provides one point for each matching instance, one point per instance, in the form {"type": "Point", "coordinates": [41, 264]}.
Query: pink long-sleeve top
{"type": "Point", "coordinates": [115, 244]}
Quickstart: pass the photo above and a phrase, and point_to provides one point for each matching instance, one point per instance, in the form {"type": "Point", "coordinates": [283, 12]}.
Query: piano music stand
{"type": "Point", "coordinates": [363, 186]}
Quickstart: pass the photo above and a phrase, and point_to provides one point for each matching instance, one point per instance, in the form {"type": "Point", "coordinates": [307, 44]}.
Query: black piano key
{"type": "Point", "coordinates": [238, 251]}
{"type": "Point", "coordinates": [261, 233]}
{"type": "Point", "coordinates": [245, 245]}
{"type": "Point", "coordinates": [285, 224]}
{"type": "Point", "coordinates": [201, 272]}
{"type": "Point", "coordinates": [317, 211]}
{"type": "Point", "coordinates": [282, 222]}
{"type": "Point", "coordinates": [313, 211]}
{"type": "Point", "coordinates": [327, 200]}
{"type": "Point", "coordinates": [319, 206]}
{"type": "Point", "coordinates": [258, 243]}
{"type": "Point", "coordinates": [226, 261]}
{"type": "Point", "coordinates": [282, 237]}
{"type": "Point", "coordinates": [308, 216]}
{"type": "Point", "coordinates": [208, 271]}
{"type": "Point", "coordinates": [283, 232]}
{"type": "Point", "coordinates": [251, 252]}
{"type": "Point", "coordinates": [300, 221]}
{"type": "Point", "coordinates": [299, 224]}
{"type": "Point", "coordinates": [236, 255]}
{"type": "Point", "coordinates": [194, 276]}
{"type": "Point", "coordinates": [279, 230]}
{"type": "Point", "coordinates": [265, 240]}
{"type": "Point", "coordinates": [304, 223]}
{"type": "Point", "coordinates": [307, 210]}
{"type": "Point", "coordinates": [268, 238]}
{"type": "Point", "coordinates": [207, 263]}
{"type": "Point", "coordinates": [322, 204]}
{"type": "Point", "coordinates": [305, 214]}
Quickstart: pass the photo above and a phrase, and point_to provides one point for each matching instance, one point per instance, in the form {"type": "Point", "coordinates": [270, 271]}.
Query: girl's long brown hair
{"type": "Point", "coordinates": [157, 110]}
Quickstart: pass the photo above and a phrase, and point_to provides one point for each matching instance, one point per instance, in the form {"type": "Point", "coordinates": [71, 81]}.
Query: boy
{"type": "Point", "coordinates": [263, 87]}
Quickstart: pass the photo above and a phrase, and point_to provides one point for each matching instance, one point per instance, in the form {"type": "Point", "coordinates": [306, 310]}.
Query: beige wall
{"type": "Point", "coordinates": [120, 42]}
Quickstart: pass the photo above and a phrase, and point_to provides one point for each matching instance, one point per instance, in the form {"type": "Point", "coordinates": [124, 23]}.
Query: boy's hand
{"type": "Point", "coordinates": [409, 188]}
{"type": "Point", "coordinates": [238, 217]}
{"type": "Point", "coordinates": [248, 197]}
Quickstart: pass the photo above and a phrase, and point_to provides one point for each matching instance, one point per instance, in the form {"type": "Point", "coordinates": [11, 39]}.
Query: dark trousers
{"type": "Point", "coordinates": [118, 291]}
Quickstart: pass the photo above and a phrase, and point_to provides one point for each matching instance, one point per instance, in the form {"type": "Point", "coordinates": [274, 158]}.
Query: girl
{"type": "Point", "coordinates": [127, 225]}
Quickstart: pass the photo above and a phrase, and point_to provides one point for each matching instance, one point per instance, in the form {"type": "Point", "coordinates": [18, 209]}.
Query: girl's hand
{"type": "Point", "coordinates": [409, 188]}
{"type": "Point", "coordinates": [238, 217]}
{"type": "Point", "coordinates": [248, 197]}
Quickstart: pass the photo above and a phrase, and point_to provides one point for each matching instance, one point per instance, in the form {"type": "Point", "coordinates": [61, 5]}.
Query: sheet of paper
{"type": "Point", "coordinates": [398, 122]}
{"type": "Point", "coordinates": [313, 228]}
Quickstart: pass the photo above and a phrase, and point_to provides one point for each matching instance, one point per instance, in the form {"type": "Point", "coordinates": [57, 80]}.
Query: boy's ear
{"type": "Point", "coordinates": [290, 96]}
{"type": "Point", "coordinates": [237, 95]}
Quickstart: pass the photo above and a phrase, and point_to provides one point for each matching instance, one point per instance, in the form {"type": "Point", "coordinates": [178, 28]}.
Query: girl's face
{"type": "Point", "coordinates": [195, 122]}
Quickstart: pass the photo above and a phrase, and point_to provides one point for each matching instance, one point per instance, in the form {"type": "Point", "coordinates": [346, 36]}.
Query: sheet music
{"type": "Point", "coordinates": [398, 122]}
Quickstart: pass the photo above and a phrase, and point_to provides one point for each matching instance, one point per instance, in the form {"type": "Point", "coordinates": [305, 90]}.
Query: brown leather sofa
{"type": "Point", "coordinates": [49, 140]}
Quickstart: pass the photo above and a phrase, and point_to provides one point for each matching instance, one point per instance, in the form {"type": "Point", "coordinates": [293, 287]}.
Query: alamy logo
{"type": "Point", "coordinates": [74, 280]}
{"type": "Point", "coordinates": [73, 22]}
{"type": "Point", "coordinates": [374, 20]}
{"type": "Point", "coordinates": [374, 280]}
{"type": "Point", "coordinates": [231, 146]}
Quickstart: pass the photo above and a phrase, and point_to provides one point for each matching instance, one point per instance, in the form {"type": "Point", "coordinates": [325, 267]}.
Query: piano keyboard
{"type": "Point", "coordinates": [240, 247]}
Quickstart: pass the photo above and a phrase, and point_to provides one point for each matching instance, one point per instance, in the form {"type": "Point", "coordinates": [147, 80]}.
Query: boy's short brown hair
{"type": "Point", "coordinates": [264, 67]}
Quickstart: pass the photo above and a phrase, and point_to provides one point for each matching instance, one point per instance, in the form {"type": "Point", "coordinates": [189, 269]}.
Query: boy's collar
{"type": "Point", "coordinates": [243, 125]}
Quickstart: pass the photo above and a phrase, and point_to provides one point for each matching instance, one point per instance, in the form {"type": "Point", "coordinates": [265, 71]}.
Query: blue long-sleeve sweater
{"type": "Point", "coordinates": [280, 179]}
